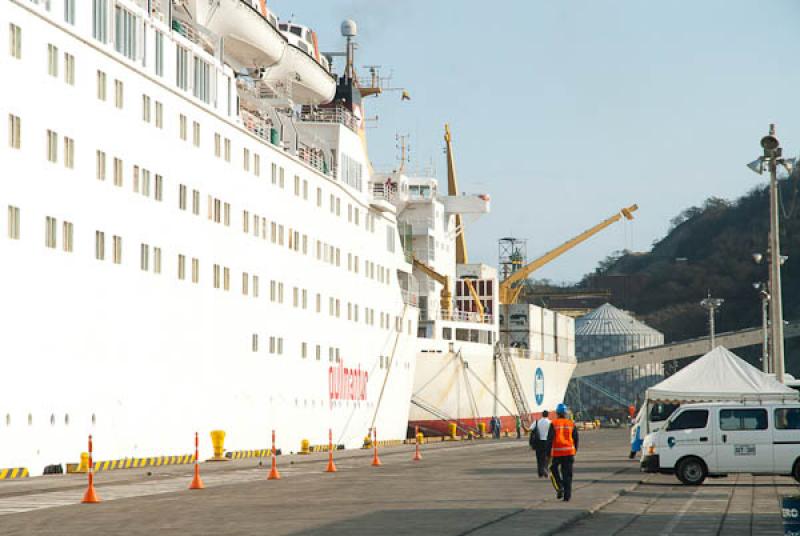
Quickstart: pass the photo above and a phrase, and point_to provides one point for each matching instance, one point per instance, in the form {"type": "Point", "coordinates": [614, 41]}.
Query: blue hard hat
{"type": "Point", "coordinates": [561, 408]}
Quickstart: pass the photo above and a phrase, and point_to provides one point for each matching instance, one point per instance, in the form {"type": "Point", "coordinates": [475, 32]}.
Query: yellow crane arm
{"type": "Point", "coordinates": [509, 293]}
{"type": "Point", "coordinates": [475, 297]}
{"type": "Point", "coordinates": [446, 297]}
{"type": "Point", "coordinates": [452, 189]}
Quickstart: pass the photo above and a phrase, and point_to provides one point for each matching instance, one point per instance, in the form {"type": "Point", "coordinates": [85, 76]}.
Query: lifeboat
{"type": "Point", "coordinates": [312, 82]}
{"type": "Point", "coordinates": [250, 31]}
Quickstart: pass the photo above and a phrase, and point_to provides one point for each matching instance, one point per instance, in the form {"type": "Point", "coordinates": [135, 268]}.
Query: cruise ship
{"type": "Point", "coordinates": [192, 240]}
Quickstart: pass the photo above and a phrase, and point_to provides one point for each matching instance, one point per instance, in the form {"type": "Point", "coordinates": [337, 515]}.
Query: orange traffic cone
{"type": "Point", "coordinates": [273, 472]}
{"type": "Point", "coordinates": [90, 496]}
{"type": "Point", "coordinates": [331, 466]}
{"type": "Point", "coordinates": [376, 462]}
{"type": "Point", "coordinates": [417, 456]}
{"type": "Point", "coordinates": [197, 482]}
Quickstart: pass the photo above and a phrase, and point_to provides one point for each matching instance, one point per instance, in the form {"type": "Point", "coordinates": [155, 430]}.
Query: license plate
{"type": "Point", "coordinates": [744, 450]}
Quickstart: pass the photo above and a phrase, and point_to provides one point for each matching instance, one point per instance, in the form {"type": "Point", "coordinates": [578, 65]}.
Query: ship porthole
{"type": "Point", "coordinates": [66, 419]}
{"type": "Point", "coordinates": [52, 419]}
{"type": "Point", "coordinates": [30, 419]}
{"type": "Point", "coordinates": [94, 419]}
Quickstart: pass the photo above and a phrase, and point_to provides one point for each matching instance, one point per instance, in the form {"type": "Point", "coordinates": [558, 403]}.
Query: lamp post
{"type": "Point", "coordinates": [712, 304]}
{"type": "Point", "coordinates": [764, 293]}
{"type": "Point", "coordinates": [772, 158]}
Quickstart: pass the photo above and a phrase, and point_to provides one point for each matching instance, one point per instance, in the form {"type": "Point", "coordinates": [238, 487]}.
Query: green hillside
{"type": "Point", "coordinates": [709, 248]}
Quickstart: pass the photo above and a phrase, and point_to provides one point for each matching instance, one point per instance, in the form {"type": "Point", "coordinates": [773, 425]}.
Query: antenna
{"type": "Point", "coordinates": [404, 147]}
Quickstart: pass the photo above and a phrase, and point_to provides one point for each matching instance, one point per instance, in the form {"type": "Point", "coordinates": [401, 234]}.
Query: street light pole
{"type": "Point", "coordinates": [712, 304]}
{"type": "Point", "coordinates": [764, 294]}
{"type": "Point", "coordinates": [772, 157]}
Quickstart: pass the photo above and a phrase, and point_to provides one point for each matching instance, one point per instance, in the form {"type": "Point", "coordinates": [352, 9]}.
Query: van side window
{"type": "Point", "coordinates": [732, 420]}
{"type": "Point", "coordinates": [689, 420]}
{"type": "Point", "coordinates": [787, 418]}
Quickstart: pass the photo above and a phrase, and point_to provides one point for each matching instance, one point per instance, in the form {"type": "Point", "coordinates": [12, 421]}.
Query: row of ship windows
{"type": "Point", "coordinates": [153, 111]}
{"type": "Point", "coordinates": [147, 184]}
{"type": "Point", "coordinates": [334, 354]}
{"type": "Point", "coordinates": [151, 259]}
{"type": "Point", "coordinates": [52, 419]}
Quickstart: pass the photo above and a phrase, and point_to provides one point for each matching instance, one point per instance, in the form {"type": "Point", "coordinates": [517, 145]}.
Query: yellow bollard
{"type": "Point", "coordinates": [218, 442]}
{"type": "Point", "coordinates": [367, 442]}
{"type": "Point", "coordinates": [305, 447]}
{"type": "Point", "coordinates": [482, 428]}
{"type": "Point", "coordinates": [453, 429]}
{"type": "Point", "coordinates": [83, 466]}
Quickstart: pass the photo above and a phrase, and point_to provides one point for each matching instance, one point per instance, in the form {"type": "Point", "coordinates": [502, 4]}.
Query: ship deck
{"type": "Point", "coordinates": [469, 487]}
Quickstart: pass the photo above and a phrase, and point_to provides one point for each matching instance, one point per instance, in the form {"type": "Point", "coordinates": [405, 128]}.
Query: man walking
{"type": "Point", "coordinates": [539, 442]}
{"type": "Point", "coordinates": [565, 446]}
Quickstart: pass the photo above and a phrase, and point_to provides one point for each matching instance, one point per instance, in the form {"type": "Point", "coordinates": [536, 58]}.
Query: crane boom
{"type": "Point", "coordinates": [475, 298]}
{"type": "Point", "coordinates": [446, 297]}
{"type": "Point", "coordinates": [452, 189]}
{"type": "Point", "coordinates": [509, 293]}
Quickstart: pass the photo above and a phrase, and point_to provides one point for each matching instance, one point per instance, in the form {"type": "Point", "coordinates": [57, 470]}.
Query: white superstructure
{"type": "Point", "coordinates": [186, 247]}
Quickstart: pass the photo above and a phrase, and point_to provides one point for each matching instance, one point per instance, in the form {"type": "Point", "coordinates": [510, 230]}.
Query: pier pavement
{"type": "Point", "coordinates": [479, 488]}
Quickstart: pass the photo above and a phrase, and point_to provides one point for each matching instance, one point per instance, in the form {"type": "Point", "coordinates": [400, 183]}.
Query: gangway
{"type": "Point", "coordinates": [514, 386]}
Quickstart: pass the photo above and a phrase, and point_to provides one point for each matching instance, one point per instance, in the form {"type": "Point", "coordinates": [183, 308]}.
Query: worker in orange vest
{"type": "Point", "coordinates": [564, 438]}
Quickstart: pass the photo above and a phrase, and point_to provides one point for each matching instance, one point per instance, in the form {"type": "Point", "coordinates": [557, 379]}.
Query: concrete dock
{"type": "Point", "coordinates": [477, 488]}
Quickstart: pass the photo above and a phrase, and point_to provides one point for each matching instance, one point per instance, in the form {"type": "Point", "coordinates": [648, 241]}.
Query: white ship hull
{"type": "Point", "coordinates": [142, 358]}
{"type": "Point", "coordinates": [471, 394]}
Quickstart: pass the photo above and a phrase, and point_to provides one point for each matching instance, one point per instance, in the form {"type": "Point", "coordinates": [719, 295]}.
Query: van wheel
{"type": "Point", "coordinates": [691, 471]}
{"type": "Point", "coordinates": [796, 470]}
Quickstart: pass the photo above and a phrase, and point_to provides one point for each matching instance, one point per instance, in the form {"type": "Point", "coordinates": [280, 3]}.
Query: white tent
{"type": "Point", "coordinates": [719, 375]}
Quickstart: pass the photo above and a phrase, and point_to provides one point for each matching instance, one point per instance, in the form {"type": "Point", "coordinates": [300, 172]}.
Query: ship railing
{"type": "Point", "coordinates": [383, 191]}
{"type": "Point", "coordinates": [410, 297]}
{"type": "Point", "coordinates": [522, 353]}
{"type": "Point", "coordinates": [255, 124]}
{"type": "Point", "coordinates": [466, 316]}
{"type": "Point", "coordinates": [337, 114]}
{"type": "Point", "coordinates": [196, 34]}
{"type": "Point", "coordinates": [313, 157]}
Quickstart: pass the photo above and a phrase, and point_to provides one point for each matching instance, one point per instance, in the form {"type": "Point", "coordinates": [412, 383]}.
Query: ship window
{"type": "Point", "coordinates": [196, 133]}
{"type": "Point", "coordinates": [99, 245]}
{"type": "Point", "coordinates": [280, 178]}
{"type": "Point", "coordinates": [257, 165]}
{"type": "Point", "coordinates": [304, 350]}
{"type": "Point", "coordinates": [101, 165]}
{"type": "Point", "coordinates": [69, 69]}
{"type": "Point", "coordinates": [99, 19]}
{"type": "Point", "coordinates": [69, 153]}
{"type": "Point", "coordinates": [182, 68]}
{"type": "Point", "coordinates": [181, 267]}
{"type": "Point", "coordinates": [67, 236]}
{"type": "Point", "coordinates": [255, 342]}
{"type": "Point", "coordinates": [245, 283]}
{"type": "Point", "coordinates": [296, 30]}
{"type": "Point", "coordinates": [118, 94]}
{"type": "Point", "coordinates": [156, 260]}
{"type": "Point", "coordinates": [15, 41]}
{"type": "Point", "coordinates": [50, 232]}
{"type": "Point", "coordinates": [144, 258]}
{"type": "Point", "coordinates": [159, 53]}
{"type": "Point", "coordinates": [118, 177]}
{"type": "Point", "coordinates": [195, 202]}
{"type": "Point", "coordinates": [13, 222]}
{"type": "Point", "coordinates": [202, 80]}
{"type": "Point", "coordinates": [117, 242]}
{"type": "Point", "coordinates": [69, 11]}
{"type": "Point", "coordinates": [125, 32]}
{"type": "Point", "coordinates": [246, 158]}
{"type": "Point", "coordinates": [52, 146]}
{"type": "Point", "coordinates": [272, 344]}
{"type": "Point", "coordinates": [14, 131]}
{"type": "Point", "coordinates": [226, 278]}
{"type": "Point", "coordinates": [52, 60]}
{"type": "Point", "coordinates": [284, 27]}
{"type": "Point", "coordinates": [101, 85]}
{"type": "Point", "coordinates": [145, 108]}
{"type": "Point", "coordinates": [195, 270]}
{"type": "Point", "coordinates": [159, 115]}
{"type": "Point", "coordinates": [217, 145]}
{"type": "Point", "coordinates": [159, 193]}
{"type": "Point", "coordinates": [227, 150]}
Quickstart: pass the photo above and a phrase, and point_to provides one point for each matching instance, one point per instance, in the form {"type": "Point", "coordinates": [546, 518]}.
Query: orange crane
{"type": "Point", "coordinates": [511, 287]}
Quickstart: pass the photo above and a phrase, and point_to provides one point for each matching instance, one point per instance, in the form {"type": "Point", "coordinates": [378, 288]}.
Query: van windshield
{"type": "Point", "coordinates": [660, 412]}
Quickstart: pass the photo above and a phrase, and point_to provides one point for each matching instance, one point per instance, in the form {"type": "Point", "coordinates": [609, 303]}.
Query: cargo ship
{"type": "Point", "coordinates": [192, 242]}
{"type": "Point", "coordinates": [476, 358]}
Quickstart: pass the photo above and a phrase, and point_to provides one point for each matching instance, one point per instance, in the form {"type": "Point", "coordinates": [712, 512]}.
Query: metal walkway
{"type": "Point", "coordinates": [677, 350]}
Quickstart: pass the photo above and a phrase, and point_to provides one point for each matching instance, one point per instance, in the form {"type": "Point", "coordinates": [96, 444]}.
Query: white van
{"type": "Point", "coordinates": [715, 439]}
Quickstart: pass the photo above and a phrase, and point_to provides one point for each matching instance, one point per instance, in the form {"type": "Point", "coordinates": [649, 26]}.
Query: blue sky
{"type": "Point", "coordinates": [564, 111]}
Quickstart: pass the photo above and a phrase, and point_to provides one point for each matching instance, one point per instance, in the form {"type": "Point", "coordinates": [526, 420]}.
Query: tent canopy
{"type": "Point", "coordinates": [717, 376]}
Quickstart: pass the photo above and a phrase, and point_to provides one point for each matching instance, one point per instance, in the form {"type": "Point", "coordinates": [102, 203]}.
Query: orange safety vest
{"type": "Point", "coordinates": [562, 438]}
